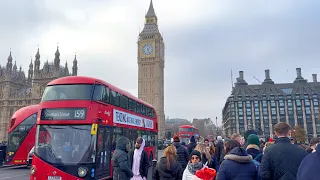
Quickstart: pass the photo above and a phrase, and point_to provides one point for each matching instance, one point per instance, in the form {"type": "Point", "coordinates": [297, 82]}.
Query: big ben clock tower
{"type": "Point", "coordinates": [151, 66]}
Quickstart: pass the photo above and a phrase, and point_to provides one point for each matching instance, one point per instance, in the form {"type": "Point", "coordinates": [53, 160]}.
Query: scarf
{"type": "Point", "coordinates": [193, 168]}
{"type": "Point", "coordinates": [137, 158]}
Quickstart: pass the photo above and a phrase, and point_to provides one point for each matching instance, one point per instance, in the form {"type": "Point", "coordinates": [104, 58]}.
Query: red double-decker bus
{"type": "Point", "coordinates": [186, 131]}
{"type": "Point", "coordinates": [21, 135]}
{"type": "Point", "coordinates": [79, 122]}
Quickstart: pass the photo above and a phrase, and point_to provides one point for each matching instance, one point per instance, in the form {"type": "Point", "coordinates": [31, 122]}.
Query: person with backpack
{"type": "Point", "coordinates": [238, 164]}
{"type": "Point", "coordinates": [254, 150]}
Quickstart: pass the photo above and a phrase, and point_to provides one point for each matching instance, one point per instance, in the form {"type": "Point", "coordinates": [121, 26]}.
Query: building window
{"type": "Point", "coordinates": [281, 103]}
{"type": "Point", "coordinates": [272, 103]}
{"type": "Point", "coordinates": [298, 102]}
{"type": "Point", "coordinates": [286, 90]}
{"type": "Point", "coordinates": [264, 103]}
{"type": "Point", "coordinates": [248, 104]}
{"type": "Point", "coordinates": [240, 104]}
{"type": "Point", "coordinates": [307, 102]}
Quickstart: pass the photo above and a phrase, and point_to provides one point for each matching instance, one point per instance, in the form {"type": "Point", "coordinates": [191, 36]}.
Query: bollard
{"type": "Point", "coordinates": [1, 157]}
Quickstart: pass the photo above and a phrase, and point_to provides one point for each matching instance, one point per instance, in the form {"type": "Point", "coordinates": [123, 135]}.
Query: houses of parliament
{"type": "Point", "coordinates": [18, 90]}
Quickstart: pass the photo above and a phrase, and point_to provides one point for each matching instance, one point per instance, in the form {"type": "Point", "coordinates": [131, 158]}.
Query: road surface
{"type": "Point", "coordinates": [22, 172]}
{"type": "Point", "coordinates": [14, 173]}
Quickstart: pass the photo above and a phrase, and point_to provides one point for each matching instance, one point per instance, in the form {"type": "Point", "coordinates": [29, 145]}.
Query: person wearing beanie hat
{"type": "Point", "coordinates": [176, 138]}
{"type": "Point", "coordinates": [192, 144]}
{"type": "Point", "coordinates": [194, 165]}
{"type": "Point", "coordinates": [246, 135]}
{"type": "Point", "coordinates": [253, 147]}
{"type": "Point", "coordinates": [182, 153]}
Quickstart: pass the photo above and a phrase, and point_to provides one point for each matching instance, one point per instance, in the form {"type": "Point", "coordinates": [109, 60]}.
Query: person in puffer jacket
{"type": "Point", "coordinates": [168, 168]}
{"type": "Point", "coordinates": [193, 166]}
{"type": "Point", "coordinates": [182, 153]}
{"type": "Point", "coordinates": [238, 165]}
{"type": "Point", "coordinates": [120, 160]}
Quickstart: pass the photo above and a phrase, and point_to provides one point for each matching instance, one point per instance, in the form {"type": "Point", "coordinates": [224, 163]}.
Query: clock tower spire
{"type": "Point", "coordinates": [151, 66]}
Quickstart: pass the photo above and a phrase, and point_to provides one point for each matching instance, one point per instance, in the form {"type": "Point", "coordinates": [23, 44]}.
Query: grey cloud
{"type": "Point", "coordinates": [199, 58]}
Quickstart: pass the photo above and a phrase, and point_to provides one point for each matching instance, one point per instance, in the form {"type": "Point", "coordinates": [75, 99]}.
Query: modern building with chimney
{"type": "Point", "coordinates": [261, 106]}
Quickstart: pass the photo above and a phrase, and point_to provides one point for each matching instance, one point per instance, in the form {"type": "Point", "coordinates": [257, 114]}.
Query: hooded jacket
{"type": "Point", "coordinates": [238, 165]}
{"type": "Point", "coordinates": [120, 161]}
{"type": "Point", "coordinates": [144, 161]}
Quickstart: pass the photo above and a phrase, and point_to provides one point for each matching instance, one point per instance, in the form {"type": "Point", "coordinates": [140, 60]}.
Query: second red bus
{"type": "Point", "coordinates": [21, 135]}
{"type": "Point", "coordinates": [186, 131]}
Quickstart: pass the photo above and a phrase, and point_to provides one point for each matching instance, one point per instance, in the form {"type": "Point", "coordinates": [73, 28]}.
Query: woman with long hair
{"type": "Point", "coordinates": [237, 164]}
{"type": "Point", "coordinates": [205, 154]}
{"type": "Point", "coordinates": [168, 167]}
{"type": "Point", "coordinates": [214, 164]}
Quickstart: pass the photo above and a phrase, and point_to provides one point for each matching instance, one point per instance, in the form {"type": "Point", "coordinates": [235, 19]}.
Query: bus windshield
{"type": "Point", "coordinates": [67, 92]}
{"type": "Point", "coordinates": [186, 129]}
{"type": "Point", "coordinates": [20, 132]}
{"type": "Point", "coordinates": [65, 144]}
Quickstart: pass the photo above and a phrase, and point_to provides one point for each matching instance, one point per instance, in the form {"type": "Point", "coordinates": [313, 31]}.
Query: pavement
{"type": "Point", "coordinates": [22, 172]}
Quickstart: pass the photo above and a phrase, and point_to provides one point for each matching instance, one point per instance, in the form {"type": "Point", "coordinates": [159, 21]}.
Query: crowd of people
{"type": "Point", "coordinates": [233, 158]}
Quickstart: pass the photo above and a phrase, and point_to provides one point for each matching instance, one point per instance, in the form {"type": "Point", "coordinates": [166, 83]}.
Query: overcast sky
{"type": "Point", "coordinates": [204, 40]}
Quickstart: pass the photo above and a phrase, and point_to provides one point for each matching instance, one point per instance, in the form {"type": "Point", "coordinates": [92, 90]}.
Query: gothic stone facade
{"type": "Point", "coordinates": [17, 90]}
{"type": "Point", "coordinates": [151, 67]}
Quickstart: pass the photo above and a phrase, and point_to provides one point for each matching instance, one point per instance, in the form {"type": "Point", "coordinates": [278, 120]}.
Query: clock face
{"type": "Point", "coordinates": [147, 49]}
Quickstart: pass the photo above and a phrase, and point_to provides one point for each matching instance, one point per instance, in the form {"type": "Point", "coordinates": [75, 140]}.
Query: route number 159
{"type": "Point", "coordinates": [79, 113]}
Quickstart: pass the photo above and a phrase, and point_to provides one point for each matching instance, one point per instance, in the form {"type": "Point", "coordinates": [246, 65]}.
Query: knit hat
{"type": "Point", "coordinates": [176, 138]}
{"type": "Point", "coordinates": [253, 139]}
{"type": "Point", "coordinates": [195, 152]}
{"type": "Point", "coordinates": [247, 134]}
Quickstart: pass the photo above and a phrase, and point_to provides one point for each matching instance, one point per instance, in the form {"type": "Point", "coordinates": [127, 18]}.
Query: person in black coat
{"type": "Point", "coordinates": [120, 160]}
{"type": "Point", "coordinates": [219, 149]}
{"type": "Point", "coordinates": [192, 144]}
{"type": "Point", "coordinates": [168, 168]}
{"type": "Point", "coordinates": [238, 165]}
{"type": "Point", "coordinates": [281, 160]}
{"type": "Point", "coordinates": [139, 159]}
{"type": "Point", "coordinates": [310, 166]}
{"type": "Point", "coordinates": [182, 153]}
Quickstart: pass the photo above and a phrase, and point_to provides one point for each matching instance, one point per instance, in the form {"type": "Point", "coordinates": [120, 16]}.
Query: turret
{"type": "Point", "coordinates": [66, 70]}
{"type": "Point", "coordinates": [37, 61]}
{"type": "Point", "coordinates": [75, 66]}
{"type": "Point", "coordinates": [57, 59]}
{"type": "Point", "coordinates": [9, 63]}
{"type": "Point", "coordinates": [30, 72]}
{"type": "Point", "coordinates": [15, 66]}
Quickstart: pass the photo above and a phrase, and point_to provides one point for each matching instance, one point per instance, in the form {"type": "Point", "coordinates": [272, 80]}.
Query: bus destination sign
{"type": "Point", "coordinates": [64, 114]}
{"type": "Point", "coordinates": [121, 117]}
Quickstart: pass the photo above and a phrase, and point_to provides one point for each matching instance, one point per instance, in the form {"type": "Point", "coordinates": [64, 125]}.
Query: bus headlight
{"type": "Point", "coordinates": [33, 170]}
{"type": "Point", "coordinates": [82, 171]}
